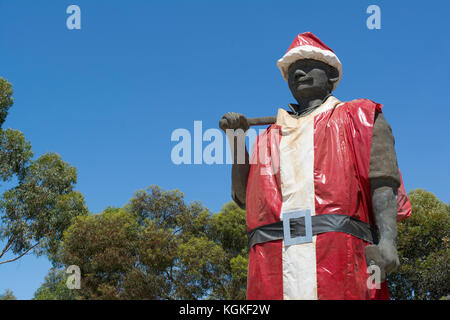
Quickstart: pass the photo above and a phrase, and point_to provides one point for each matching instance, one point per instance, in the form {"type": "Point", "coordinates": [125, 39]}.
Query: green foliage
{"type": "Point", "coordinates": [7, 295]}
{"type": "Point", "coordinates": [40, 205]}
{"type": "Point", "coordinates": [6, 99]}
{"type": "Point", "coordinates": [104, 247]}
{"type": "Point", "coordinates": [55, 288]}
{"type": "Point", "coordinates": [159, 247]}
{"type": "Point", "coordinates": [423, 246]}
{"type": "Point", "coordinates": [229, 229]}
{"type": "Point", "coordinates": [15, 153]}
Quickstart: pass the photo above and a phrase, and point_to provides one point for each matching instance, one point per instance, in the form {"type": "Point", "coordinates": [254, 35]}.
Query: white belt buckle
{"type": "Point", "coordinates": [287, 216]}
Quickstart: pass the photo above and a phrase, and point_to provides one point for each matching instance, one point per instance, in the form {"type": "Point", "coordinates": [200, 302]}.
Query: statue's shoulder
{"type": "Point", "coordinates": [365, 104]}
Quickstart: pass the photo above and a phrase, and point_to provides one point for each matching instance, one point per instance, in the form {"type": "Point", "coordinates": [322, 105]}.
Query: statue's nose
{"type": "Point", "coordinates": [300, 73]}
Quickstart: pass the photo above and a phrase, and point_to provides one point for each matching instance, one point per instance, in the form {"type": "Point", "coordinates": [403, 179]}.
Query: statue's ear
{"type": "Point", "coordinates": [333, 75]}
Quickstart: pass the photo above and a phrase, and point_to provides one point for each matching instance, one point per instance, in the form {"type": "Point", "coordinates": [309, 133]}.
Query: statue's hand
{"type": "Point", "coordinates": [233, 120]}
{"type": "Point", "coordinates": [388, 252]}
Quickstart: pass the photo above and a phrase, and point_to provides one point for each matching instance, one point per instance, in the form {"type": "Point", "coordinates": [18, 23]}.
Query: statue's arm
{"type": "Point", "coordinates": [239, 176]}
{"type": "Point", "coordinates": [241, 164]}
{"type": "Point", "coordinates": [384, 181]}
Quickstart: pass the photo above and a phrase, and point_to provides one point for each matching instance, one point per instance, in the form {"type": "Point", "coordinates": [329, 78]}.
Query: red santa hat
{"type": "Point", "coordinates": [308, 46]}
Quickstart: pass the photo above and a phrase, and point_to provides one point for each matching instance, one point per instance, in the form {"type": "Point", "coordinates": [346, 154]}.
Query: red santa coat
{"type": "Point", "coordinates": [320, 163]}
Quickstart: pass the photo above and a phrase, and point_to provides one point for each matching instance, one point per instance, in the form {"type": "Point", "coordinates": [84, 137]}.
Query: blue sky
{"type": "Point", "coordinates": [107, 97]}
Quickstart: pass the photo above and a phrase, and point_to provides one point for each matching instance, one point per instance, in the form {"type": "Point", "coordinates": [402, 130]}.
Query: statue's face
{"type": "Point", "coordinates": [309, 78]}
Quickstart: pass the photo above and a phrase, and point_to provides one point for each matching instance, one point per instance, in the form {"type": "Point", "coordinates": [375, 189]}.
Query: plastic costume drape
{"type": "Point", "coordinates": [319, 163]}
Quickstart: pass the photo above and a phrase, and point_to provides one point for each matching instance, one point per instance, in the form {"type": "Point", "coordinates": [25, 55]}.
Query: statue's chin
{"type": "Point", "coordinates": [306, 91]}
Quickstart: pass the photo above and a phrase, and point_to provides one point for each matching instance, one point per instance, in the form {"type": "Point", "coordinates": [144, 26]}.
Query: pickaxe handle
{"type": "Point", "coordinates": [260, 121]}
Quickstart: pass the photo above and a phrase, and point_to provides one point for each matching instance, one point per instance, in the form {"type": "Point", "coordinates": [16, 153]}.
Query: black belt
{"type": "Point", "coordinates": [320, 224]}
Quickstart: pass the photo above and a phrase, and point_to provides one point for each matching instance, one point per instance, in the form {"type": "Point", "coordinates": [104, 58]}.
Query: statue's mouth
{"type": "Point", "coordinates": [304, 80]}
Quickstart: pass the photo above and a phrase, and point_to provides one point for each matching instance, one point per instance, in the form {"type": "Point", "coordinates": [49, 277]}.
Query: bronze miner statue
{"type": "Point", "coordinates": [321, 188]}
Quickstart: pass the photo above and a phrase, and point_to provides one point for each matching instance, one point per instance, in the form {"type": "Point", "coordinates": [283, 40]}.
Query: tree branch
{"type": "Point", "coordinates": [8, 244]}
{"type": "Point", "coordinates": [17, 258]}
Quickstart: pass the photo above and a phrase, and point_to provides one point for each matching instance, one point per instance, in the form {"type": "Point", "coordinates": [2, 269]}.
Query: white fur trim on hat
{"type": "Point", "coordinates": [309, 52]}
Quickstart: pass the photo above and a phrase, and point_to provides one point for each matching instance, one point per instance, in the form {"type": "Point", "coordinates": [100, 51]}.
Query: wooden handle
{"type": "Point", "coordinates": [260, 121]}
